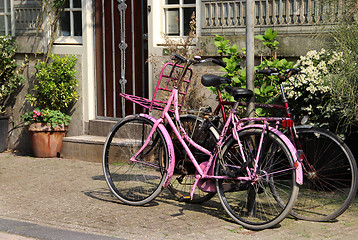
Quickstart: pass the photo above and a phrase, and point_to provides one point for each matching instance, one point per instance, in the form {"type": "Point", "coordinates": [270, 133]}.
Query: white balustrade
{"type": "Point", "coordinates": [226, 14]}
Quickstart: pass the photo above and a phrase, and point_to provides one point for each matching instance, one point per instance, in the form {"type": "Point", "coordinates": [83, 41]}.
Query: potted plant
{"type": "Point", "coordinates": [53, 96]}
{"type": "Point", "coordinates": [46, 130]}
{"type": "Point", "coordinates": [10, 81]}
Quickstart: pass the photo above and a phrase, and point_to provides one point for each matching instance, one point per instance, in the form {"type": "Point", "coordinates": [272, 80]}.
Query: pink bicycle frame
{"type": "Point", "coordinates": [206, 172]}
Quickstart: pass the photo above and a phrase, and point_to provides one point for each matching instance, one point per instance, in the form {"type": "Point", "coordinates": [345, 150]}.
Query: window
{"type": "Point", "coordinates": [71, 23]}
{"type": "Point", "coordinates": [6, 16]}
{"type": "Point", "coordinates": [178, 15]}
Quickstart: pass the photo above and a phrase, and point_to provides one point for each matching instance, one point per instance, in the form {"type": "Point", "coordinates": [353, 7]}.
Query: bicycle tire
{"type": "Point", "coordinates": [330, 175]}
{"type": "Point", "coordinates": [263, 203]}
{"type": "Point", "coordinates": [135, 182]}
{"type": "Point", "coordinates": [184, 175]}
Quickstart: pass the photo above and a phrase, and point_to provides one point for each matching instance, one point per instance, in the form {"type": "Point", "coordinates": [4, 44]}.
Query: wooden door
{"type": "Point", "coordinates": [121, 51]}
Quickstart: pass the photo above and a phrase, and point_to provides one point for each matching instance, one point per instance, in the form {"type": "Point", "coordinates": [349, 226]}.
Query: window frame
{"type": "Point", "coordinates": [181, 5]}
{"type": "Point", "coordinates": [72, 39]}
{"type": "Point", "coordinates": [5, 15]}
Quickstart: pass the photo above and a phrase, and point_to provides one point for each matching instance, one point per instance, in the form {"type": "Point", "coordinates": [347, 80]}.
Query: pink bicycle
{"type": "Point", "coordinates": [329, 169]}
{"type": "Point", "coordinates": [254, 168]}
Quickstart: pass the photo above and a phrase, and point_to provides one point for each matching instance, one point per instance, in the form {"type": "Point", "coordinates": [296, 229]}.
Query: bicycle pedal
{"type": "Point", "coordinates": [184, 199]}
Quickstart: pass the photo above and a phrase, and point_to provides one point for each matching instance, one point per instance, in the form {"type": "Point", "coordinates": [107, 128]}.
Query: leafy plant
{"type": "Point", "coordinates": [343, 83]}
{"type": "Point", "coordinates": [51, 117]}
{"type": "Point", "coordinates": [10, 78]}
{"type": "Point", "coordinates": [265, 87]}
{"type": "Point", "coordinates": [269, 39]}
{"type": "Point", "coordinates": [267, 90]}
{"type": "Point", "coordinates": [232, 56]}
{"type": "Point", "coordinates": [56, 84]}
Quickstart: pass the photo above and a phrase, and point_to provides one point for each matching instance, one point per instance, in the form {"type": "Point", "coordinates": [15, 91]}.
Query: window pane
{"type": "Point", "coordinates": [172, 21]}
{"type": "Point", "coordinates": [65, 29]}
{"type": "Point", "coordinates": [2, 25]}
{"type": "Point", "coordinates": [77, 3]}
{"type": "Point", "coordinates": [67, 3]}
{"type": "Point", "coordinates": [2, 6]}
{"type": "Point", "coordinates": [172, 2]}
{"type": "Point", "coordinates": [77, 17]}
{"type": "Point", "coordinates": [188, 14]}
{"type": "Point", "coordinates": [189, 1]}
{"type": "Point", "coordinates": [8, 5]}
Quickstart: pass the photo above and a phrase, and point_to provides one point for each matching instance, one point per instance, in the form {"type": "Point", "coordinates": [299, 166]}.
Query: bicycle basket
{"type": "Point", "coordinates": [168, 75]}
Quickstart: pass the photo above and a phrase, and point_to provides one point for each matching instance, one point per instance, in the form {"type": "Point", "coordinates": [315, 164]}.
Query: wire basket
{"type": "Point", "coordinates": [168, 76]}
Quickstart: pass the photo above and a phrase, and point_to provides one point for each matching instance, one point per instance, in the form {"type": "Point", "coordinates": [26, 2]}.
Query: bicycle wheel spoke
{"type": "Point", "coordinates": [268, 197]}
{"type": "Point", "coordinates": [330, 176]}
{"type": "Point", "coordinates": [135, 182]}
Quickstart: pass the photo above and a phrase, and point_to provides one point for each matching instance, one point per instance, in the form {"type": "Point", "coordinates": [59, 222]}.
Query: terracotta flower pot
{"type": "Point", "coordinates": [46, 141]}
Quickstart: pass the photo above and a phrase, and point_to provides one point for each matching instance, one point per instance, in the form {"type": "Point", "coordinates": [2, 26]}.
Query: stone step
{"type": "Point", "coordinates": [90, 148]}
{"type": "Point", "coordinates": [85, 148]}
{"type": "Point", "coordinates": [100, 127]}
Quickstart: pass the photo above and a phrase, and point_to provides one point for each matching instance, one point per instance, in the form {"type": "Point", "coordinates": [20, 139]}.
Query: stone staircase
{"type": "Point", "coordinates": [88, 147]}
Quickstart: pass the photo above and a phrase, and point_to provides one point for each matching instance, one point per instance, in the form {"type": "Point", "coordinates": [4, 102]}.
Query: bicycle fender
{"type": "Point", "coordinates": [168, 140]}
{"type": "Point", "coordinates": [295, 154]}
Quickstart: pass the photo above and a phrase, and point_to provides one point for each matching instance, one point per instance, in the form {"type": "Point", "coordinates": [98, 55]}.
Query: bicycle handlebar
{"type": "Point", "coordinates": [275, 72]}
{"type": "Point", "coordinates": [198, 59]}
{"type": "Point", "coordinates": [270, 71]}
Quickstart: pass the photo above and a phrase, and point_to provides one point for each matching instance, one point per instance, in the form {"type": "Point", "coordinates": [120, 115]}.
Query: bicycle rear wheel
{"type": "Point", "coordinates": [184, 175]}
{"type": "Point", "coordinates": [330, 175]}
{"type": "Point", "coordinates": [140, 181]}
{"type": "Point", "coordinates": [261, 202]}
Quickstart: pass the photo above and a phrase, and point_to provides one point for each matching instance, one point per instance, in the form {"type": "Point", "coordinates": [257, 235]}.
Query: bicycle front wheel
{"type": "Point", "coordinates": [330, 175]}
{"type": "Point", "coordinates": [265, 200]}
{"type": "Point", "coordinates": [135, 182]}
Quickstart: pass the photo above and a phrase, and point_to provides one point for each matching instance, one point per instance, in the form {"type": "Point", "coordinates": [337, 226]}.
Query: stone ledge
{"type": "Point", "coordinates": [87, 139]}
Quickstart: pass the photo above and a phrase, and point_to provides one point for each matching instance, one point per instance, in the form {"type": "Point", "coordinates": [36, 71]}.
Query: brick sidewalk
{"type": "Point", "coordinates": [68, 195]}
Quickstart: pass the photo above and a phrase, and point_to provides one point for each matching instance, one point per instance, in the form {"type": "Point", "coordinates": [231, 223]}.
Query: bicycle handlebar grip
{"type": "Point", "coordinates": [219, 62]}
{"type": "Point", "coordinates": [267, 71]}
{"type": "Point", "coordinates": [179, 58]}
{"type": "Point", "coordinates": [296, 70]}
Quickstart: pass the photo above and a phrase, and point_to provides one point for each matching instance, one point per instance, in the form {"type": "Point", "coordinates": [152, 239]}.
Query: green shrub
{"type": "Point", "coordinates": [56, 84]}
{"type": "Point", "coordinates": [10, 78]}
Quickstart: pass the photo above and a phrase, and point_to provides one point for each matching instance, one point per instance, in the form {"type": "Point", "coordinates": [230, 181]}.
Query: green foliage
{"type": "Point", "coordinates": [51, 117]}
{"type": "Point", "coordinates": [232, 56]}
{"type": "Point", "coordinates": [58, 3]}
{"type": "Point", "coordinates": [344, 84]}
{"type": "Point", "coordinates": [269, 39]}
{"type": "Point", "coordinates": [265, 86]}
{"type": "Point", "coordinates": [56, 84]}
{"type": "Point", "coordinates": [10, 78]}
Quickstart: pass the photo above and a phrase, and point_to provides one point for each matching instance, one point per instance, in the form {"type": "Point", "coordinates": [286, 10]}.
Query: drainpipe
{"type": "Point", "coordinates": [250, 54]}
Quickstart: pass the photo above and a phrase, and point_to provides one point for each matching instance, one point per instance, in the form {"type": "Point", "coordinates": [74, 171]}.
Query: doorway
{"type": "Point", "coordinates": [121, 50]}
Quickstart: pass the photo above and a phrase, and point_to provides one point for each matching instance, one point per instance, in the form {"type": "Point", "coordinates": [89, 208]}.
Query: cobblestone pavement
{"type": "Point", "coordinates": [72, 197]}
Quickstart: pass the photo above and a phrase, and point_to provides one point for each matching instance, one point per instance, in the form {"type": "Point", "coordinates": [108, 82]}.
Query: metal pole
{"type": "Point", "coordinates": [12, 9]}
{"type": "Point", "coordinates": [250, 54]}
